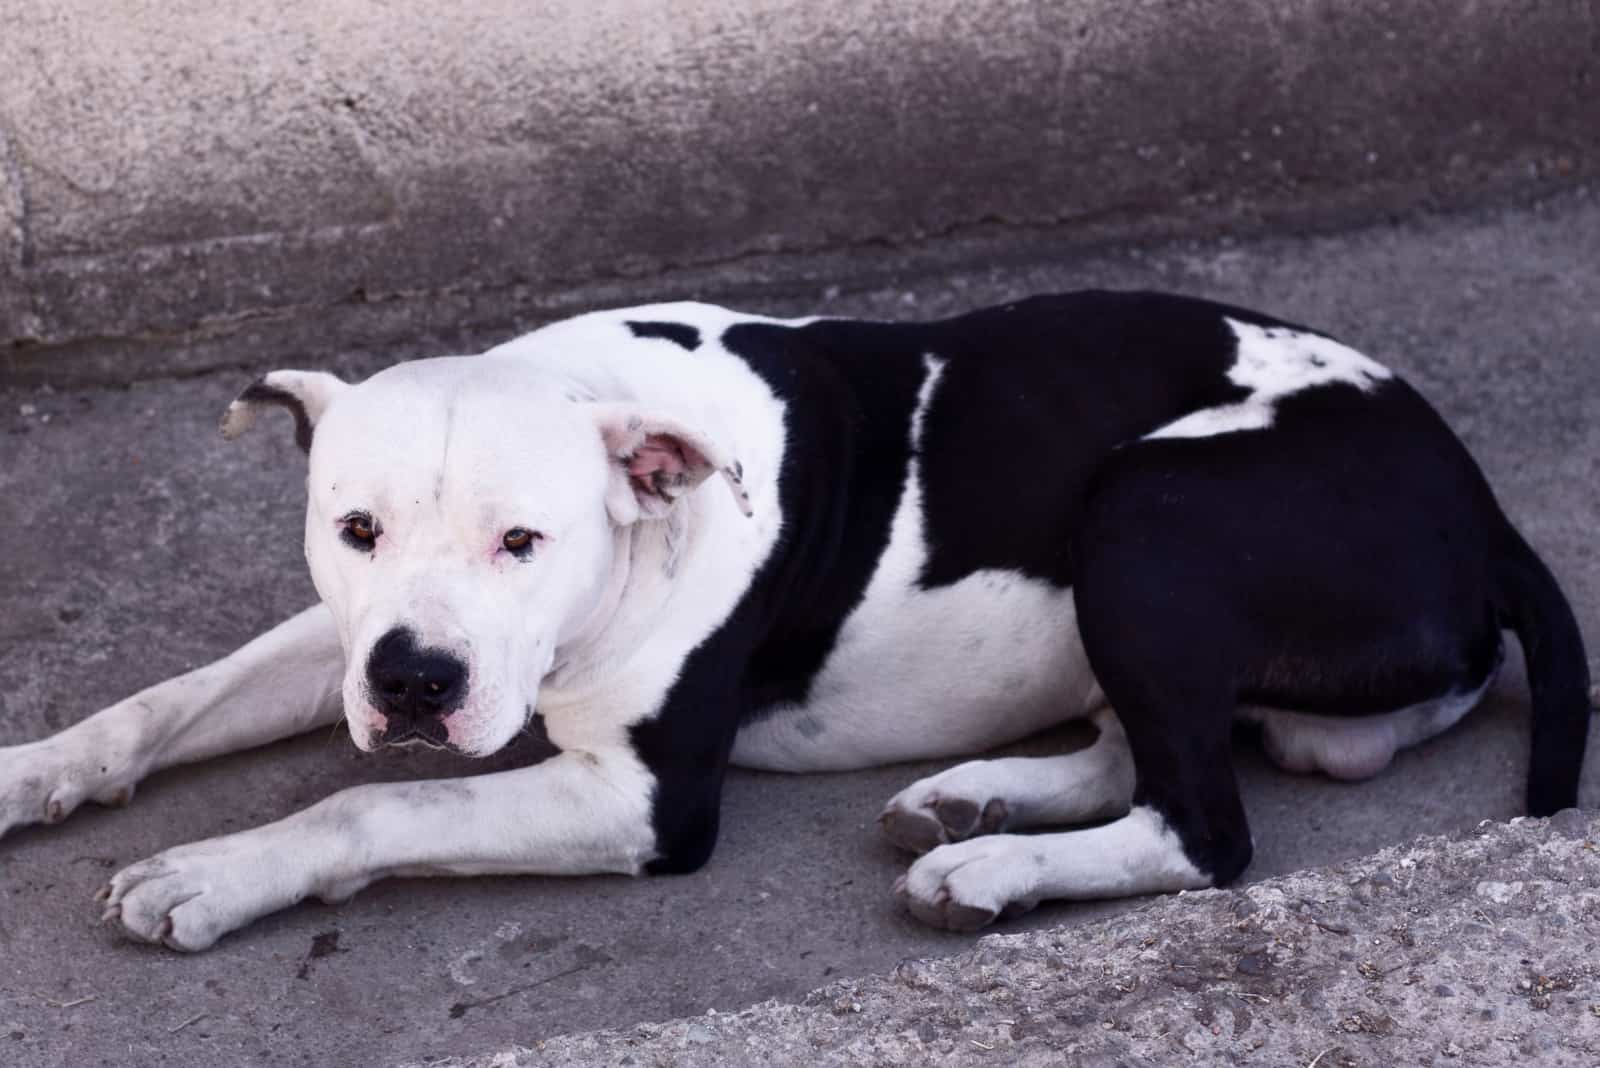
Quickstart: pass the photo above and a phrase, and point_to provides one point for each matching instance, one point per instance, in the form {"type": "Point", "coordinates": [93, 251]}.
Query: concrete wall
{"type": "Point", "coordinates": [185, 184]}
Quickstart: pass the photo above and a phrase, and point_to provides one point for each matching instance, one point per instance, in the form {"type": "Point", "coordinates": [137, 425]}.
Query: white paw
{"type": "Point", "coordinates": [42, 782]}
{"type": "Point", "coordinates": [949, 807]}
{"type": "Point", "coordinates": [968, 885]}
{"type": "Point", "coordinates": [190, 896]}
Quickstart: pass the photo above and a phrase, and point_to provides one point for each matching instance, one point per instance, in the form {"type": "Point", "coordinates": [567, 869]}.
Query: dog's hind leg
{"type": "Point", "coordinates": [282, 683]}
{"type": "Point", "coordinates": [1160, 634]}
{"type": "Point", "coordinates": [1186, 828]}
{"type": "Point", "coordinates": [990, 796]}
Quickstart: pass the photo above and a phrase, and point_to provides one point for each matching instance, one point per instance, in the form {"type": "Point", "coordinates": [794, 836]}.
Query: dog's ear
{"type": "Point", "coordinates": [655, 460]}
{"type": "Point", "coordinates": [306, 394]}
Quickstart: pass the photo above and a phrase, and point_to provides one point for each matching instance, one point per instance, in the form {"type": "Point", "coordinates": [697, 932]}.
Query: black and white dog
{"type": "Point", "coordinates": [683, 537]}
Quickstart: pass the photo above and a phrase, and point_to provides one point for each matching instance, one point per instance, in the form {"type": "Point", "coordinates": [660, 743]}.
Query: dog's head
{"type": "Point", "coordinates": [466, 521]}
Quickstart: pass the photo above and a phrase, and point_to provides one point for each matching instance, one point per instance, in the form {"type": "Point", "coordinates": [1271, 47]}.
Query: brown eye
{"type": "Point", "coordinates": [519, 540]}
{"type": "Point", "coordinates": [359, 531]}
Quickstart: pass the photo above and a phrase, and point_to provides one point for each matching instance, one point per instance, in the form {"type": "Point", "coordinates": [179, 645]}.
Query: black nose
{"type": "Point", "coordinates": [414, 684]}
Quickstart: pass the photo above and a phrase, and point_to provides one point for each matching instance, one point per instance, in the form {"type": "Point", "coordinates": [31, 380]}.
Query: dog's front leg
{"type": "Point", "coordinates": [579, 812]}
{"type": "Point", "coordinates": [282, 683]}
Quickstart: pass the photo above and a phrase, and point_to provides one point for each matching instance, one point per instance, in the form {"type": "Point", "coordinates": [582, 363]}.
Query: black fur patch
{"type": "Point", "coordinates": [258, 392]}
{"type": "Point", "coordinates": [850, 390]}
{"type": "Point", "coordinates": [1033, 397]}
{"type": "Point", "coordinates": [678, 333]}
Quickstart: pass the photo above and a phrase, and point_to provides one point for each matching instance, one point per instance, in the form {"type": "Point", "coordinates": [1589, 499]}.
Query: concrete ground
{"type": "Point", "coordinates": [135, 544]}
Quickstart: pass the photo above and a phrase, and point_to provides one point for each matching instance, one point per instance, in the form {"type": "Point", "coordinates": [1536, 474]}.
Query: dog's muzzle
{"type": "Point", "coordinates": [415, 688]}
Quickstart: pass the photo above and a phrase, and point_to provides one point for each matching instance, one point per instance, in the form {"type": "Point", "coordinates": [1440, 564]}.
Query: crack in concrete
{"type": "Point", "coordinates": [333, 233]}
{"type": "Point", "coordinates": [461, 1008]}
{"type": "Point", "coordinates": [16, 177]}
{"type": "Point", "coordinates": [16, 213]}
{"type": "Point", "coordinates": [347, 114]}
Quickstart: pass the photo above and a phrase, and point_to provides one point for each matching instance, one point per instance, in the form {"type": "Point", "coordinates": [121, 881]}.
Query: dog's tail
{"type": "Point", "coordinates": [1531, 603]}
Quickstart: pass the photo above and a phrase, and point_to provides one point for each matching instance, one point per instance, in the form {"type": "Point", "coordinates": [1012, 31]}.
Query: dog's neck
{"type": "Point", "coordinates": [631, 601]}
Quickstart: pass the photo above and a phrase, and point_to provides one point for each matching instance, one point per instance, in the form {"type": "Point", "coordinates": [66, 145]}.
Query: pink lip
{"type": "Point", "coordinates": [450, 732]}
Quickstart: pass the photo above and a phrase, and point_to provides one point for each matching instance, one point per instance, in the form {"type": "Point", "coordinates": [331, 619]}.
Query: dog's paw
{"type": "Point", "coordinates": [187, 898]}
{"type": "Point", "coordinates": [43, 782]}
{"type": "Point", "coordinates": [968, 885]}
{"type": "Point", "coordinates": [949, 807]}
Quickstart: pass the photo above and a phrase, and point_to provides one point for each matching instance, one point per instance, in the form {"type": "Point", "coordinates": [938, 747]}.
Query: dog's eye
{"type": "Point", "coordinates": [359, 531]}
{"type": "Point", "coordinates": [519, 540]}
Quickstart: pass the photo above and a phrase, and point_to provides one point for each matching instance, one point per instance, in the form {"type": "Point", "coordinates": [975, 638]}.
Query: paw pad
{"type": "Point", "coordinates": [943, 820]}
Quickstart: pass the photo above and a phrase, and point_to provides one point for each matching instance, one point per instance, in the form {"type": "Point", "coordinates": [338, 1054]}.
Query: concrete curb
{"type": "Point", "coordinates": [185, 186]}
{"type": "Point", "coordinates": [1473, 950]}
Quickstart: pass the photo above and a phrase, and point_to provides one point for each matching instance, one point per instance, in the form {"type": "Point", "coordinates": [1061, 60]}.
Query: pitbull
{"type": "Point", "coordinates": [675, 538]}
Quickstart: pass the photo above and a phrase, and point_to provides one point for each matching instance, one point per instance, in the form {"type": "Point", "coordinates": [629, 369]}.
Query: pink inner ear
{"type": "Point", "coordinates": [663, 454]}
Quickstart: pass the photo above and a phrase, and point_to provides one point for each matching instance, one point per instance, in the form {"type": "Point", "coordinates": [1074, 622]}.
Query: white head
{"type": "Point", "coordinates": [467, 519]}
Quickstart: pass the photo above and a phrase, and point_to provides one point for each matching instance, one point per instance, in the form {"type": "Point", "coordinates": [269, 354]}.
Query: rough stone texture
{"type": "Point", "coordinates": [1478, 949]}
{"type": "Point", "coordinates": [186, 184]}
{"type": "Point", "coordinates": [134, 544]}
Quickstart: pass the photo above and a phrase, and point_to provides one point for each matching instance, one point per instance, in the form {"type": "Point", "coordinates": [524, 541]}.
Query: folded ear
{"type": "Point", "coordinates": [656, 460]}
{"type": "Point", "coordinates": [306, 394]}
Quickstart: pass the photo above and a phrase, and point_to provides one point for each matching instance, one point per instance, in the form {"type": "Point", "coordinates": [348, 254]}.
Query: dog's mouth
{"type": "Point", "coordinates": [424, 735]}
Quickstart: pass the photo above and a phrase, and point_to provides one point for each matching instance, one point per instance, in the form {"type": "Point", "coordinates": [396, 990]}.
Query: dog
{"type": "Point", "coordinates": [673, 538]}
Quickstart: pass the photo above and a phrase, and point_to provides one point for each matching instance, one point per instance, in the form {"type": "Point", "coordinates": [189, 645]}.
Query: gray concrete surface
{"type": "Point", "coordinates": [135, 544]}
{"type": "Point", "coordinates": [188, 184]}
{"type": "Point", "coordinates": [1476, 949]}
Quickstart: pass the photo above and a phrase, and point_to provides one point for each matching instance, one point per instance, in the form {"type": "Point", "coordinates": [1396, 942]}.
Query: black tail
{"type": "Point", "coordinates": [1558, 672]}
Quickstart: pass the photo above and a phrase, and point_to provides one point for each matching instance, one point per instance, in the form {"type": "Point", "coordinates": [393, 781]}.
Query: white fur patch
{"type": "Point", "coordinates": [1274, 362]}
{"type": "Point", "coordinates": [968, 884]}
{"type": "Point", "coordinates": [933, 370]}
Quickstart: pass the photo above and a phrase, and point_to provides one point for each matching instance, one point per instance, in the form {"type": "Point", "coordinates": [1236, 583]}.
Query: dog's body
{"type": "Point", "coordinates": [917, 540]}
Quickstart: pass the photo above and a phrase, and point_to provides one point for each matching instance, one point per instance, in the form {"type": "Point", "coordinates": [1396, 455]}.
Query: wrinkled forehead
{"type": "Point", "coordinates": [461, 426]}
